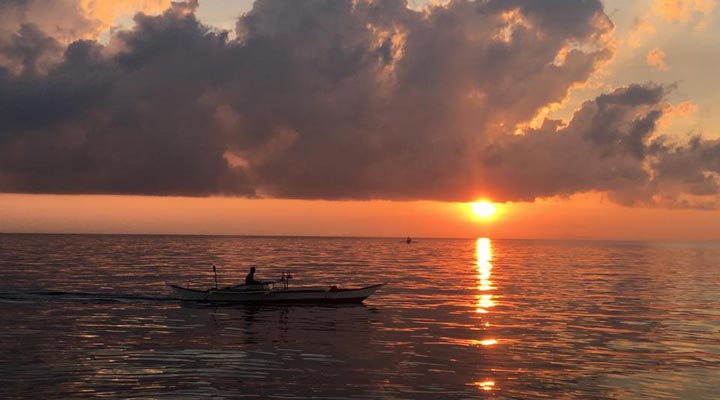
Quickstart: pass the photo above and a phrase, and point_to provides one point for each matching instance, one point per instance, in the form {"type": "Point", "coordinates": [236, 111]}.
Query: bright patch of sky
{"type": "Point", "coordinates": [689, 43]}
{"type": "Point", "coordinates": [222, 14]}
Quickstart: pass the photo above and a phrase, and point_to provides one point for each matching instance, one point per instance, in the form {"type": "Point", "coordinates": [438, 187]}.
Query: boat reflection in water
{"type": "Point", "coordinates": [484, 298]}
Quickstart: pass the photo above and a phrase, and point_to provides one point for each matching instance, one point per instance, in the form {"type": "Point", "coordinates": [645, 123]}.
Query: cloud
{"type": "Point", "coordinates": [684, 109]}
{"type": "Point", "coordinates": [688, 175]}
{"type": "Point", "coordinates": [683, 10]}
{"type": "Point", "coordinates": [656, 58]}
{"type": "Point", "coordinates": [612, 145]}
{"type": "Point", "coordinates": [106, 13]}
{"type": "Point", "coordinates": [331, 99]}
{"type": "Point", "coordinates": [69, 20]}
{"type": "Point", "coordinates": [64, 21]}
{"type": "Point", "coordinates": [641, 27]}
{"type": "Point", "coordinates": [29, 49]}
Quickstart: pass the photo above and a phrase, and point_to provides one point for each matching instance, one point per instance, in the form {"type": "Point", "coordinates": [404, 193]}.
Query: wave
{"type": "Point", "coordinates": [58, 295]}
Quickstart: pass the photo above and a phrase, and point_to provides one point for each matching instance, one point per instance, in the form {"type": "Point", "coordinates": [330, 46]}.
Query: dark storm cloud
{"type": "Point", "coordinates": [339, 100]}
{"type": "Point", "coordinates": [602, 148]}
{"type": "Point", "coordinates": [133, 122]}
{"type": "Point", "coordinates": [30, 49]}
{"type": "Point", "coordinates": [61, 19]}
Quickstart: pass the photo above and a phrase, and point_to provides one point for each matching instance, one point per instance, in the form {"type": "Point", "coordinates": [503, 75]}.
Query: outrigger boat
{"type": "Point", "coordinates": [265, 292]}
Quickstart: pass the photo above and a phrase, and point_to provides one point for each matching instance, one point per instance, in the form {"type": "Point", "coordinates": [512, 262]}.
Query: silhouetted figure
{"type": "Point", "coordinates": [408, 240]}
{"type": "Point", "coordinates": [250, 278]}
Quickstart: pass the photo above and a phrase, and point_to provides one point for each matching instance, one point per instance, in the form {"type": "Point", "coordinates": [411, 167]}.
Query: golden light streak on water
{"type": "Point", "coordinates": [484, 270]}
{"type": "Point", "coordinates": [485, 385]}
{"type": "Point", "coordinates": [484, 298]}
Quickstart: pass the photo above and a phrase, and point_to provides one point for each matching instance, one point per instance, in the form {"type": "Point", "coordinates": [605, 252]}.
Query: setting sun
{"type": "Point", "coordinates": [483, 209]}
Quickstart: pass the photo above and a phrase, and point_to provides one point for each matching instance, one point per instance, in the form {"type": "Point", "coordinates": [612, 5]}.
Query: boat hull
{"type": "Point", "coordinates": [328, 295]}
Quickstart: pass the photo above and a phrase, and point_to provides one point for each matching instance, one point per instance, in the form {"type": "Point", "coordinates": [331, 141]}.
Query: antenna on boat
{"type": "Point", "coordinates": [285, 278]}
{"type": "Point", "coordinates": [215, 272]}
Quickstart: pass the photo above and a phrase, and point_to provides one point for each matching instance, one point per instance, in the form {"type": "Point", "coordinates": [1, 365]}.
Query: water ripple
{"type": "Point", "coordinates": [91, 317]}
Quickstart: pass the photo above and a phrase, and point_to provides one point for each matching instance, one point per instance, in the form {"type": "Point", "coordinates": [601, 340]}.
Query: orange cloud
{"type": "Point", "coordinates": [685, 109]}
{"type": "Point", "coordinates": [683, 10]}
{"type": "Point", "coordinates": [681, 113]}
{"type": "Point", "coordinates": [656, 58]}
{"type": "Point", "coordinates": [641, 27]}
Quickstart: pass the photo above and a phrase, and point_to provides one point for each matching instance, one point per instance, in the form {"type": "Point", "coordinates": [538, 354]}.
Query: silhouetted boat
{"type": "Point", "coordinates": [266, 293]}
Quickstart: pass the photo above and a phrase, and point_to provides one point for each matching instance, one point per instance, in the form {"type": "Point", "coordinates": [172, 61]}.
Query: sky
{"type": "Point", "coordinates": [579, 119]}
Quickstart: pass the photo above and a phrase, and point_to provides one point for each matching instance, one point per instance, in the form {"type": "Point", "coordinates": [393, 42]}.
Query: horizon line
{"type": "Point", "coordinates": [287, 236]}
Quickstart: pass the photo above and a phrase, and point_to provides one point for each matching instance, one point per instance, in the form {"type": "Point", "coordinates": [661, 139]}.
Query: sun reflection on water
{"type": "Point", "coordinates": [484, 299]}
{"type": "Point", "coordinates": [488, 342]}
{"type": "Point", "coordinates": [484, 269]}
{"type": "Point", "coordinates": [485, 385]}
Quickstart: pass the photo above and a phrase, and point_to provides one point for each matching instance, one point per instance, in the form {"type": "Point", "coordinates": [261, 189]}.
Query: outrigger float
{"type": "Point", "coordinates": [266, 292]}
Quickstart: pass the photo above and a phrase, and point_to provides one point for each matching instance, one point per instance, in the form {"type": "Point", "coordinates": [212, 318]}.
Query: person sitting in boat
{"type": "Point", "coordinates": [250, 278]}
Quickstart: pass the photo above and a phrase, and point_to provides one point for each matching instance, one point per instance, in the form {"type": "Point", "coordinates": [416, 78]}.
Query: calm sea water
{"type": "Point", "coordinates": [91, 317]}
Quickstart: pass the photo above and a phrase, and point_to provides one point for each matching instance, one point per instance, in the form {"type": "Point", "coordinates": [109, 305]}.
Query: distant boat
{"type": "Point", "coordinates": [266, 293]}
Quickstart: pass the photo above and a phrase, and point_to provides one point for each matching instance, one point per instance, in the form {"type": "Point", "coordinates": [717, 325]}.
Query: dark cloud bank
{"type": "Point", "coordinates": [333, 100]}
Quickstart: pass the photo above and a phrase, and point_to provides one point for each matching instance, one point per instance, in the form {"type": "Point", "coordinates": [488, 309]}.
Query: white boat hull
{"type": "Point", "coordinates": [277, 296]}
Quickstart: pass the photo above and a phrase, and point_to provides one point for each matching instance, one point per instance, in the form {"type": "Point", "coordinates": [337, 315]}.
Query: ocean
{"type": "Point", "coordinates": [91, 316]}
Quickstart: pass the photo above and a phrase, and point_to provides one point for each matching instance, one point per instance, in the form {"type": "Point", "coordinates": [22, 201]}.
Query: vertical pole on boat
{"type": "Point", "coordinates": [215, 272]}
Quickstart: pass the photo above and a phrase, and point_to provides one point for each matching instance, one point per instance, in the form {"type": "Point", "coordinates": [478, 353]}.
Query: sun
{"type": "Point", "coordinates": [483, 209]}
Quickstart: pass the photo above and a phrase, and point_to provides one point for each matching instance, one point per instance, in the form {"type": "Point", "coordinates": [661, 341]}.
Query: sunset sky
{"type": "Point", "coordinates": [579, 119]}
